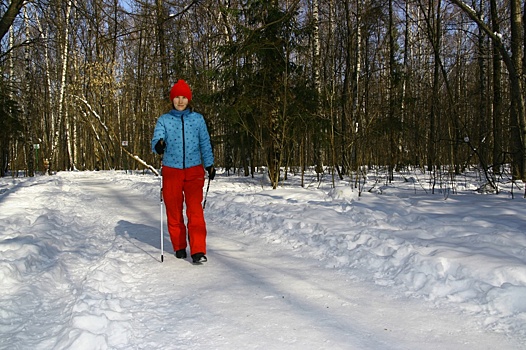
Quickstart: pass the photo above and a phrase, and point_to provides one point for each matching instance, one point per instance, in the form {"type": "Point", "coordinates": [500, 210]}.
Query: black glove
{"type": "Point", "coordinates": [211, 172]}
{"type": "Point", "coordinates": [160, 146]}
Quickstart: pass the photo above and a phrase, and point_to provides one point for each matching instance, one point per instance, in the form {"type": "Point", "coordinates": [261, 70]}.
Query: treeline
{"type": "Point", "coordinates": [333, 84]}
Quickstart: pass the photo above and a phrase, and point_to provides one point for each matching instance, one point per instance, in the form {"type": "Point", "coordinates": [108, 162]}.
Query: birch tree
{"type": "Point", "coordinates": [57, 124]}
{"type": "Point", "coordinates": [316, 64]}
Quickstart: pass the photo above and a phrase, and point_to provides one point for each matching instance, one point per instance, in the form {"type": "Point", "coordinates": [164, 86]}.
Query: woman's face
{"type": "Point", "coordinates": [180, 103]}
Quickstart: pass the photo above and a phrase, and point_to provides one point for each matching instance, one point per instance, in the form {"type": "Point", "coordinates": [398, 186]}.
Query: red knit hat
{"type": "Point", "coordinates": [181, 88]}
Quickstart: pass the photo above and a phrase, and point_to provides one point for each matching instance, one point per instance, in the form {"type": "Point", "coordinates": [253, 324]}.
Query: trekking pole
{"type": "Point", "coordinates": [162, 240]}
{"type": "Point", "coordinates": [161, 197]}
{"type": "Point", "coordinates": [206, 193]}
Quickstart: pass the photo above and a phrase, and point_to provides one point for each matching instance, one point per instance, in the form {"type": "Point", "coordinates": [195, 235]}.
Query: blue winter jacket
{"type": "Point", "coordinates": [186, 137]}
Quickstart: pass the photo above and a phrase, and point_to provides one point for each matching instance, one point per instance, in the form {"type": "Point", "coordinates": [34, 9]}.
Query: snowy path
{"type": "Point", "coordinates": [84, 273]}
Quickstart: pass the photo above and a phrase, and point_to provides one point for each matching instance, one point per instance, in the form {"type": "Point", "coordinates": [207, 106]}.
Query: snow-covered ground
{"type": "Point", "coordinates": [294, 268]}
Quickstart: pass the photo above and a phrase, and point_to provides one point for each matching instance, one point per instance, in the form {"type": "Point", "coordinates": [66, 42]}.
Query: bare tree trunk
{"type": "Point", "coordinates": [331, 57]}
{"type": "Point", "coordinates": [406, 78]}
{"type": "Point", "coordinates": [70, 125]}
{"type": "Point", "coordinates": [518, 107]}
{"type": "Point", "coordinates": [28, 107]}
{"type": "Point", "coordinates": [161, 18]}
{"type": "Point", "coordinates": [498, 151]}
{"type": "Point", "coordinates": [392, 94]}
{"type": "Point", "coordinates": [347, 96]}
{"type": "Point", "coordinates": [62, 91]}
{"type": "Point", "coordinates": [317, 83]}
{"type": "Point", "coordinates": [435, 35]}
{"type": "Point", "coordinates": [9, 16]}
{"type": "Point", "coordinates": [49, 123]}
{"type": "Point", "coordinates": [524, 44]}
{"type": "Point", "coordinates": [514, 66]}
{"type": "Point", "coordinates": [358, 120]}
{"type": "Point", "coordinates": [482, 112]}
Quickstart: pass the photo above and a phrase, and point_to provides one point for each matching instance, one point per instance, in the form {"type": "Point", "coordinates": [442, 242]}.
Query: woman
{"type": "Point", "coordinates": [181, 136]}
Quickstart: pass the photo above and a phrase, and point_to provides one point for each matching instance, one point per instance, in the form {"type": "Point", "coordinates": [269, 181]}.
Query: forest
{"type": "Point", "coordinates": [337, 86]}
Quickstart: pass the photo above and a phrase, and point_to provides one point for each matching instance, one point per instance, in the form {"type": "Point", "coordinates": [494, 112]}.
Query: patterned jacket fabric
{"type": "Point", "coordinates": [186, 137]}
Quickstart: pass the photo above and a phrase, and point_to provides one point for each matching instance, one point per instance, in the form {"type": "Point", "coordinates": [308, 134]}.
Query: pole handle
{"type": "Point", "coordinates": [206, 193]}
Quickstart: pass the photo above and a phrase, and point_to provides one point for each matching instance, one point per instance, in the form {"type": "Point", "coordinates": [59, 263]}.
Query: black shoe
{"type": "Point", "coordinates": [199, 258]}
{"type": "Point", "coordinates": [180, 254]}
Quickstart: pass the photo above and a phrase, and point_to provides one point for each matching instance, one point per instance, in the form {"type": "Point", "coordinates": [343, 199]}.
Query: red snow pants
{"type": "Point", "coordinates": [185, 186]}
